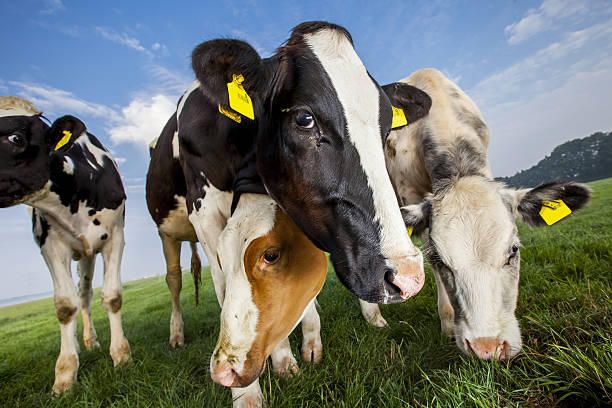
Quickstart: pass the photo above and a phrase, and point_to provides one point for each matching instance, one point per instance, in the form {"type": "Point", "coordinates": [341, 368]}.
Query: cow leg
{"type": "Point", "coordinates": [371, 312]}
{"type": "Point", "coordinates": [112, 295]}
{"type": "Point", "coordinates": [283, 362]}
{"type": "Point", "coordinates": [85, 268]}
{"type": "Point", "coordinates": [247, 397]}
{"type": "Point", "coordinates": [312, 348]}
{"type": "Point", "coordinates": [445, 309]}
{"type": "Point", "coordinates": [57, 255]}
{"type": "Point", "coordinates": [174, 280]}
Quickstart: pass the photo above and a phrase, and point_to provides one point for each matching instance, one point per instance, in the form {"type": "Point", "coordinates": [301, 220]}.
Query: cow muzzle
{"type": "Point", "coordinates": [488, 348]}
{"type": "Point", "coordinates": [223, 371]}
{"type": "Point", "coordinates": [405, 280]}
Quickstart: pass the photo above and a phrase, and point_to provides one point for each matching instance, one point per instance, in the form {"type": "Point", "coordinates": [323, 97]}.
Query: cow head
{"type": "Point", "coordinates": [25, 144]}
{"type": "Point", "coordinates": [473, 244]}
{"type": "Point", "coordinates": [322, 124]}
{"type": "Point", "coordinates": [272, 272]}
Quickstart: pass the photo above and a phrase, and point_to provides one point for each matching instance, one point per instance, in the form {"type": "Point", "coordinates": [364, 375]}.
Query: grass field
{"type": "Point", "coordinates": [565, 313]}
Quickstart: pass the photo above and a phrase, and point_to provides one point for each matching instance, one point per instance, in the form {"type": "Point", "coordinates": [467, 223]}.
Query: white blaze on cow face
{"type": "Point", "coordinates": [474, 243]}
{"type": "Point", "coordinates": [272, 273]}
{"type": "Point", "coordinates": [360, 101]}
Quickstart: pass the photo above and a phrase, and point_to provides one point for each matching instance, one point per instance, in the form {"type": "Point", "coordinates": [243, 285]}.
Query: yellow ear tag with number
{"type": "Point", "coordinates": [409, 229]}
{"type": "Point", "coordinates": [64, 139]}
{"type": "Point", "coordinates": [553, 211]}
{"type": "Point", "coordinates": [239, 100]}
{"type": "Point", "coordinates": [399, 119]}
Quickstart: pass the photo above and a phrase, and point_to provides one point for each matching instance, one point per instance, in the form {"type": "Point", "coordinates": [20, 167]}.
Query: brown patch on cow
{"type": "Point", "coordinates": [390, 147]}
{"type": "Point", "coordinates": [65, 310]}
{"type": "Point", "coordinates": [281, 289]}
{"type": "Point", "coordinates": [113, 304]}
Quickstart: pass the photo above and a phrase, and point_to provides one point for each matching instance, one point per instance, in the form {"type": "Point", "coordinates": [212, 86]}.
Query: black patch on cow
{"type": "Point", "coordinates": [96, 222]}
{"type": "Point", "coordinates": [574, 195]}
{"type": "Point", "coordinates": [40, 228]}
{"type": "Point", "coordinates": [104, 236]}
{"type": "Point", "coordinates": [414, 102]}
{"type": "Point", "coordinates": [310, 27]}
{"type": "Point", "coordinates": [446, 164]}
{"type": "Point", "coordinates": [91, 213]}
{"type": "Point", "coordinates": [97, 184]}
{"type": "Point", "coordinates": [67, 123]}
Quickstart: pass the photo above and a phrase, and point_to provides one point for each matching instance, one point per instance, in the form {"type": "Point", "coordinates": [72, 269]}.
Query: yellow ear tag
{"type": "Point", "coordinates": [553, 211]}
{"type": "Point", "coordinates": [399, 119]}
{"type": "Point", "coordinates": [238, 98]}
{"type": "Point", "coordinates": [233, 116]}
{"type": "Point", "coordinates": [409, 229]}
{"type": "Point", "coordinates": [64, 139]}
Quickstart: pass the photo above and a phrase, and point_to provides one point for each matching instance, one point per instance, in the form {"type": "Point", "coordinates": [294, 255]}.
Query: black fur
{"type": "Point", "coordinates": [574, 195]}
{"type": "Point", "coordinates": [414, 102]}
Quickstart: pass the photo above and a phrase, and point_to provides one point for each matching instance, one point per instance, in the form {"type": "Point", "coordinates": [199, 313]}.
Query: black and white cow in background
{"type": "Point", "coordinates": [78, 198]}
{"type": "Point", "coordinates": [442, 178]}
{"type": "Point", "coordinates": [315, 145]}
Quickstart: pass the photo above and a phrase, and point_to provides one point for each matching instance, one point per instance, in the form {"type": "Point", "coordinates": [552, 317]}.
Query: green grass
{"type": "Point", "coordinates": [565, 313]}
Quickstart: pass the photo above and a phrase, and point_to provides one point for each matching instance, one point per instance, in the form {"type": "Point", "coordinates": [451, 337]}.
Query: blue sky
{"type": "Point", "coordinates": [540, 71]}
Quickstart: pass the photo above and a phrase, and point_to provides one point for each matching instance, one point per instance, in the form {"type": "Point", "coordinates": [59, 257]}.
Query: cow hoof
{"type": "Point", "coordinates": [287, 368]}
{"type": "Point", "coordinates": [66, 368]}
{"type": "Point", "coordinates": [312, 352]}
{"type": "Point", "coordinates": [121, 353]}
{"type": "Point", "coordinates": [91, 343]}
{"type": "Point", "coordinates": [377, 321]}
{"type": "Point", "coordinates": [177, 341]}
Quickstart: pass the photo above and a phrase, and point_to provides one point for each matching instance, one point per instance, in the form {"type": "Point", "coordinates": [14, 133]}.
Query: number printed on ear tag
{"type": "Point", "coordinates": [399, 119]}
{"type": "Point", "coordinates": [553, 211]}
{"type": "Point", "coordinates": [64, 139]}
{"type": "Point", "coordinates": [239, 100]}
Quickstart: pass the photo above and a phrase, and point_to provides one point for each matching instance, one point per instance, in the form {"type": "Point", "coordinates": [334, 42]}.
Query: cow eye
{"type": "Point", "coordinates": [305, 120]}
{"type": "Point", "coordinates": [271, 256]}
{"type": "Point", "coordinates": [17, 140]}
{"type": "Point", "coordinates": [513, 251]}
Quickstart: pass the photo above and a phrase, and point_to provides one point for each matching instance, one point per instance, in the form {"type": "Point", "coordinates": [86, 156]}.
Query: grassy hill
{"type": "Point", "coordinates": [565, 313]}
{"type": "Point", "coordinates": [582, 160]}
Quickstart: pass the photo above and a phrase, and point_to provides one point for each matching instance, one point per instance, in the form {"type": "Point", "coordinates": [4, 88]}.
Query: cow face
{"type": "Point", "coordinates": [322, 123]}
{"type": "Point", "coordinates": [473, 245]}
{"type": "Point", "coordinates": [24, 151]}
{"type": "Point", "coordinates": [272, 272]}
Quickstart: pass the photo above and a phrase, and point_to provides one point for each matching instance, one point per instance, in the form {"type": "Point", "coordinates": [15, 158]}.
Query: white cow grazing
{"type": "Point", "coordinates": [466, 220]}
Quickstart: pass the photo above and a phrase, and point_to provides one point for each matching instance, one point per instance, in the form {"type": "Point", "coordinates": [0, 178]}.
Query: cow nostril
{"type": "Point", "coordinates": [391, 288]}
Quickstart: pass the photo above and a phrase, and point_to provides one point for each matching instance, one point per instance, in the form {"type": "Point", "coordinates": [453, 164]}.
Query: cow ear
{"type": "Point", "coordinates": [412, 101]}
{"type": "Point", "coordinates": [548, 203]}
{"type": "Point", "coordinates": [417, 216]}
{"type": "Point", "coordinates": [64, 132]}
{"type": "Point", "coordinates": [219, 62]}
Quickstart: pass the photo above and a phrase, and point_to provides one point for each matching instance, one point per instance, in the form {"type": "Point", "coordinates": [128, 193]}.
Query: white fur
{"type": "Point", "coordinates": [177, 224]}
{"type": "Point", "coordinates": [68, 165]}
{"type": "Point", "coordinates": [359, 98]}
{"type": "Point", "coordinates": [194, 85]}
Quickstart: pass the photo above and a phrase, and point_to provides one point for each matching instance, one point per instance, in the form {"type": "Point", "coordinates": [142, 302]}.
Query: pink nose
{"type": "Point", "coordinates": [410, 276]}
{"type": "Point", "coordinates": [488, 348]}
{"type": "Point", "coordinates": [223, 374]}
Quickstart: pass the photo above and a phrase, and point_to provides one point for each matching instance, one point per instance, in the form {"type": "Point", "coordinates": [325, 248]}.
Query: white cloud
{"type": "Point", "coordinates": [123, 39]}
{"type": "Point", "coordinates": [56, 102]}
{"type": "Point", "coordinates": [142, 120]}
{"type": "Point", "coordinates": [543, 18]}
{"type": "Point", "coordinates": [53, 6]}
{"type": "Point", "coordinates": [168, 81]}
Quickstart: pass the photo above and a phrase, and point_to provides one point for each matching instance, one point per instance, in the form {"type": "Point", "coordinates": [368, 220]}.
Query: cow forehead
{"type": "Point", "coordinates": [359, 98]}
{"type": "Point", "coordinates": [472, 226]}
{"type": "Point", "coordinates": [254, 217]}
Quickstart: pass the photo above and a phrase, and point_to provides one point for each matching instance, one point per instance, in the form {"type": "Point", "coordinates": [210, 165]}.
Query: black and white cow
{"type": "Point", "coordinates": [270, 274]}
{"type": "Point", "coordinates": [315, 146]}
{"type": "Point", "coordinates": [78, 201]}
{"type": "Point", "coordinates": [442, 177]}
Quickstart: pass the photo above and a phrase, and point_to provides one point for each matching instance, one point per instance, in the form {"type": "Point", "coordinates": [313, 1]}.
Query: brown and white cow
{"type": "Point", "coordinates": [78, 202]}
{"type": "Point", "coordinates": [443, 182]}
{"type": "Point", "coordinates": [269, 274]}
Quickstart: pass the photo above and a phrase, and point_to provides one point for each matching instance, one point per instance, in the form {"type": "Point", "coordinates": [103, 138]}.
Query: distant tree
{"type": "Point", "coordinates": [582, 160]}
